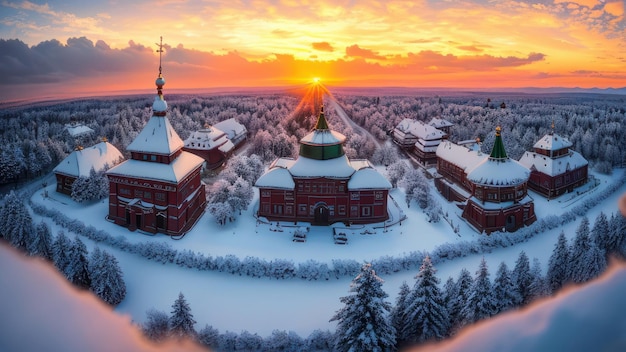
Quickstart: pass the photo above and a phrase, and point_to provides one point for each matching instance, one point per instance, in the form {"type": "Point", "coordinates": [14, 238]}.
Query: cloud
{"type": "Point", "coordinates": [470, 48]}
{"type": "Point", "coordinates": [356, 51]}
{"type": "Point", "coordinates": [323, 46]}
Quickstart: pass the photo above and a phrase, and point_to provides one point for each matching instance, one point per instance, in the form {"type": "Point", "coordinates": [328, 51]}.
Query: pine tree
{"type": "Point", "coordinates": [77, 271]}
{"type": "Point", "coordinates": [558, 265]}
{"type": "Point", "coordinates": [41, 244]}
{"type": "Point", "coordinates": [504, 290]}
{"type": "Point", "coordinates": [80, 189]}
{"type": "Point", "coordinates": [106, 277]}
{"type": "Point", "coordinates": [209, 337]}
{"type": "Point", "coordinates": [60, 251]}
{"type": "Point", "coordinates": [538, 285]}
{"type": "Point", "coordinates": [181, 320]}
{"type": "Point", "coordinates": [16, 222]}
{"type": "Point", "coordinates": [462, 292]}
{"type": "Point", "coordinates": [426, 314]}
{"type": "Point", "coordinates": [601, 234]}
{"type": "Point", "coordinates": [521, 278]}
{"type": "Point", "coordinates": [363, 323]}
{"type": "Point", "coordinates": [617, 228]}
{"type": "Point", "coordinates": [398, 319]}
{"type": "Point", "coordinates": [579, 253]}
{"type": "Point", "coordinates": [449, 293]}
{"type": "Point", "coordinates": [480, 303]}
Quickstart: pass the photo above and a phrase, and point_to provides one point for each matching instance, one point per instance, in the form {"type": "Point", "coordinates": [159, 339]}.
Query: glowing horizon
{"type": "Point", "coordinates": [72, 46]}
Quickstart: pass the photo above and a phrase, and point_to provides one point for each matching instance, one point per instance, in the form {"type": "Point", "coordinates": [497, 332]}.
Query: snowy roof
{"type": "Point", "coordinates": [499, 172]}
{"type": "Point", "coordinates": [420, 129]}
{"type": "Point", "coordinates": [278, 178]}
{"type": "Point", "coordinates": [80, 162]}
{"type": "Point", "coordinates": [323, 137]}
{"type": "Point", "coordinates": [77, 130]}
{"type": "Point", "coordinates": [553, 167]}
{"type": "Point", "coordinates": [231, 127]}
{"type": "Point", "coordinates": [206, 139]}
{"type": "Point", "coordinates": [157, 136]}
{"type": "Point", "coordinates": [437, 122]}
{"type": "Point", "coordinates": [368, 178]}
{"type": "Point", "coordinates": [460, 156]}
{"type": "Point", "coordinates": [334, 168]}
{"type": "Point", "coordinates": [552, 142]}
{"type": "Point", "coordinates": [173, 172]}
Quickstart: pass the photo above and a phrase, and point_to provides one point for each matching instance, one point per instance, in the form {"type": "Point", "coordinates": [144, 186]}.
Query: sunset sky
{"type": "Point", "coordinates": [78, 47]}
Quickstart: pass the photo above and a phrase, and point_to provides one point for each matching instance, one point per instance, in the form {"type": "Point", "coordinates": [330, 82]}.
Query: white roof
{"type": "Point", "coordinates": [553, 167]}
{"type": "Point", "coordinates": [437, 122]}
{"type": "Point", "coordinates": [323, 137]}
{"type": "Point", "coordinates": [499, 172]}
{"type": "Point", "coordinates": [278, 178]}
{"type": "Point", "coordinates": [80, 162]}
{"type": "Point", "coordinates": [460, 156]}
{"type": "Point", "coordinates": [231, 127]}
{"type": "Point", "coordinates": [420, 129]}
{"type": "Point", "coordinates": [207, 139]}
{"type": "Point", "coordinates": [368, 178]}
{"type": "Point", "coordinates": [157, 136]}
{"type": "Point", "coordinates": [334, 168]}
{"type": "Point", "coordinates": [77, 130]}
{"type": "Point", "coordinates": [552, 142]}
{"type": "Point", "coordinates": [360, 173]}
{"type": "Point", "coordinates": [174, 172]}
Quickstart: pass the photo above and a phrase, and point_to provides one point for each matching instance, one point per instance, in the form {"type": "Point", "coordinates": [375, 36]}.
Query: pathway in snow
{"type": "Point", "coordinates": [348, 121]}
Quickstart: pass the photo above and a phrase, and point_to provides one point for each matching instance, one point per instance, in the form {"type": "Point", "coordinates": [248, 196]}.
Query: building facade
{"type": "Point", "coordinates": [421, 139]}
{"type": "Point", "coordinates": [159, 188]}
{"type": "Point", "coordinates": [322, 186]}
{"type": "Point", "coordinates": [80, 162]}
{"type": "Point", "coordinates": [555, 168]}
{"type": "Point", "coordinates": [216, 143]}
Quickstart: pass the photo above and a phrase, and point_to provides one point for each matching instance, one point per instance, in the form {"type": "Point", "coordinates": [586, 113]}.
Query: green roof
{"type": "Point", "coordinates": [321, 121]}
{"type": "Point", "coordinates": [498, 151]}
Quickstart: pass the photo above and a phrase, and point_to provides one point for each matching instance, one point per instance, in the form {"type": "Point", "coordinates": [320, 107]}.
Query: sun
{"type": "Point", "coordinates": [316, 80]}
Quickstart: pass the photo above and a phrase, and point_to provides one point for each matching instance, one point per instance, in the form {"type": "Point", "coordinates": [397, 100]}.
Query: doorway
{"type": "Point", "coordinates": [321, 215]}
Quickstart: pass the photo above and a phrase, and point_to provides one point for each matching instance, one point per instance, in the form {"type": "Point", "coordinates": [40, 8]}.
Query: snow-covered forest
{"type": "Point", "coordinates": [35, 140]}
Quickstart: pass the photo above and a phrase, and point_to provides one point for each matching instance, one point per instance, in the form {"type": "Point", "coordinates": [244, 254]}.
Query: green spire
{"type": "Point", "coordinates": [321, 121]}
{"type": "Point", "coordinates": [498, 151]}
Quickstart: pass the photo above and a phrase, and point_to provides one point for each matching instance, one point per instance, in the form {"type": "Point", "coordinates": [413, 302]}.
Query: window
{"type": "Point", "coordinates": [355, 196]}
{"type": "Point", "coordinates": [354, 210]}
{"type": "Point", "coordinates": [265, 193]}
{"type": "Point", "coordinates": [302, 208]}
{"type": "Point", "coordinates": [278, 209]}
{"type": "Point", "coordinates": [145, 157]}
{"type": "Point", "coordinates": [138, 193]}
{"type": "Point", "coordinates": [266, 208]}
{"type": "Point", "coordinates": [147, 195]}
{"type": "Point", "coordinates": [342, 210]}
{"type": "Point", "coordinates": [159, 196]}
{"type": "Point", "coordinates": [153, 157]}
{"type": "Point", "coordinates": [366, 211]}
{"type": "Point", "coordinates": [300, 187]}
{"type": "Point", "coordinates": [289, 195]}
{"type": "Point", "coordinates": [342, 188]}
{"type": "Point", "coordinates": [288, 209]}
{"type": "Point", "coordinates": [125, 191]}
{"type": "Point", "coordinates": [379, 195]}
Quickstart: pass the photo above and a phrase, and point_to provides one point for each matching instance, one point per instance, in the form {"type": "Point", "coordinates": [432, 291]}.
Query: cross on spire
{"type": "Point", "coordinates": [160, 51]}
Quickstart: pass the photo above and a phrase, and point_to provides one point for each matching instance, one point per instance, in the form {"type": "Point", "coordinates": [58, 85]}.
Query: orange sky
{"type": "Point", "coordinates": [70, 46]}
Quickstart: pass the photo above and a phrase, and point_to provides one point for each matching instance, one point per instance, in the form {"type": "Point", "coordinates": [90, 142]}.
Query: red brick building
{"type": "Point", "coordinates": [554, 168]}
{"type": "Point", "coordinates": [159, 188]}
{"type": "Point", "coordinates": [493, 187]}
{"type": "Point", "coordinates": [421, 139]}
{"type": "Point", "coordinates": [322, 186]}
{"type": "Point", "coordinates": [81, 161]}
{"type": "Point", "coordinates": [216, 143]}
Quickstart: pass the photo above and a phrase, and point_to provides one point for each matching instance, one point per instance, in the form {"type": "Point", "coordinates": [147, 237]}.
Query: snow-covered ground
{"type": "Point", "coordinates": [239, 303]}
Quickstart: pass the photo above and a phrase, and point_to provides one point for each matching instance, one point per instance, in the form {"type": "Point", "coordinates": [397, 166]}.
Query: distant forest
{"type": "Point", "coordinates": [34, 138]}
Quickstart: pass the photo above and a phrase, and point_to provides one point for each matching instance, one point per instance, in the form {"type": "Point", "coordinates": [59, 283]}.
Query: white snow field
{"type": "Point", "coordinates": [261, 305]}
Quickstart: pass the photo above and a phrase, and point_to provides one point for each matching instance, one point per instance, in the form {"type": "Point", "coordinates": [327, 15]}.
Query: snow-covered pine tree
{"type": "Point", "coordinates": [579, 253]}
{"type": "Point", "coordinates": [427, 316]}
{"type": "Point", "coordinates": [181, 320]}
{"type": "Point", "coordinates": [17, 224]}
{"type": "Point", "coordinates": [397, 316]}
{"type": "Point", "coordinates": [221, 211]}
{"type": "Point", "coordinates": [107, 280]}
{"type": "Point", "coordinates": [41, 243]}
{"type": "Point", "coordinates": [319, 340]}
{"type": "Point", "coordinates": [601, 234]}
{"type": "Point", "coordinates": [396, 171]}
{"type": "Point", "coordinates": [363, 323]}
{"type": "Point", "coordinates": [504, 290]}
{"type": "Point", "coordinates": [240, 195]}
{"type": "Point", "coordinates": [60, 251]}
{"type": "Point", "coordinates": [77, 269]}
{"type": "Point", "coordinates": [521, 278]}
{"type": "Point", "coordinates": [156, 327]}
{"type": "Point", "coordinates": [208, 336]}
{"type": "Point", "coordinates": [617, 242]}
{"type": "Point", "coordinates": [558, 265]}
{"type": "Point", "coordinates": [538, 286]}
{"type": "Point", "coordinates": [80, 189]}
{"type": "Point", "coordinates": [480, 303]}
{"type": "Point", "coordinates": [462, 291]}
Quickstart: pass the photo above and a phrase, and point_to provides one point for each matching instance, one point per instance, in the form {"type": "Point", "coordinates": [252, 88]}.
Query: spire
{"type": "Point", "coordinates": [552, 126]}
{"type": "Point", "coordinates": [321, 121]}
{"type": "Point", "coordinates": [159, 107]}
{"type": "Point", "coordinates": [498, 151]}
